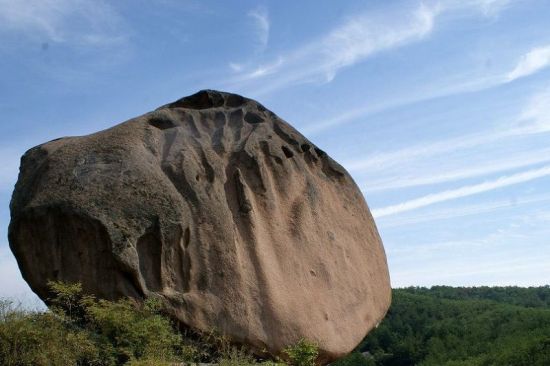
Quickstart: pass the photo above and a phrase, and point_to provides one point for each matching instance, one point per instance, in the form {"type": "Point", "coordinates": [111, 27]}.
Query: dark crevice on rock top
{"type": "Point", "coordinates": [209, 98]}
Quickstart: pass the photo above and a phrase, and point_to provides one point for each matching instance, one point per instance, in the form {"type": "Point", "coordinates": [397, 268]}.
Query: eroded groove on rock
{"type": "Point", "coordinates": [149, 250]}
{"type": "Point", "coordinates": [245, 205]}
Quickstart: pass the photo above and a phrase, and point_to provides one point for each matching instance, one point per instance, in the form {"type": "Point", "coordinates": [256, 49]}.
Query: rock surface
{"type": "Point", "coordinates": [218, 206]}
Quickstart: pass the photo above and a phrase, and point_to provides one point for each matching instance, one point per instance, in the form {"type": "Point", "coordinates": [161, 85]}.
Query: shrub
{"type": "Point", "coordinates": [80, 330]}
{"type": "Point", "coordinates": [83, 331]}
{"type": "Point", "coordinates": [41, 339]}
{"type": "Point", "coordinates": [134, 332]}
{"type": "Point", "coordinates": [303, 353]}
{"type": "Point", "coordinates": [236, 357]}
{"type": "Point", "coordinates": [125, 330]}
{"type": "Point", "coordinates": [69, 302]}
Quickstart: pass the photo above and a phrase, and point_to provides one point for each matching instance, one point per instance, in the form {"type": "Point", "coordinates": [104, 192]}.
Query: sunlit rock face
{"type": "Point", "coordinates": [219, 207]}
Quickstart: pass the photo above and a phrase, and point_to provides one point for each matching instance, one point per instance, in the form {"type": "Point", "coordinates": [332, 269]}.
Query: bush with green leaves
{"type": "Point", "coordinates": [81, 330]}
{"type": "Point", "coordinates": [303, 353]}
{"type": "Point", "coordinates": [41, 339]}
{"type": "Point", "coordinates": [124, 330]}
{"type": "Point", "coordinates": [133, 332]}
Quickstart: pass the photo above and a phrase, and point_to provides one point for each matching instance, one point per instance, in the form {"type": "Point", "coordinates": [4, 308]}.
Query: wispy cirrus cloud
{"type": "Point", "coordinates": [464, 191]}
{"type": "Point", "coordinates": [363, 36]}
{"type": "Point", "coordinates": [262, 25]}
{"type": "Point", "coordinates": [260, 71]}
{"type": "Point", "coordinates": [454, 212]}
{"type": "Point", "coordinates": [355, 113]}
{"type": "Point", "coordinates": [356, 39]}
{"type": "Point", "coordinates": [533, 118]}
{"type": "Point", "coordinates": [400, 156]}
{"type": "Point", "coordinates": [75, 22]}
{"type": "Point", "coordinates": [261, 20]}
{"type": "Point", "coordinates": [345, 45]}
{"type": "Point", "coordinates": [401, 179]}
{"type": "Point", "coordinates": [533, 61]}
{"type": "Point", "coordinates": [492, 7]}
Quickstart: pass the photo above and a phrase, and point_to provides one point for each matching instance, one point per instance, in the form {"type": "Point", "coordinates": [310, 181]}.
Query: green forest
{"type": "Point", "coordinates": [450, 326]}
{"type": "Point", "coordinates": [443, 326]}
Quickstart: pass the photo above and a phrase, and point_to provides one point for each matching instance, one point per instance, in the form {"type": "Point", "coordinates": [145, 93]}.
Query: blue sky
{"type": "Point", "coordinates": [440, 110]}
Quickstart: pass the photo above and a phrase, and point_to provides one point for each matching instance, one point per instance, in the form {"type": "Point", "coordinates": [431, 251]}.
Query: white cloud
{"type": "Point", "coordinates": [258, 72]}
{"type": "Point", "coordinates": [459, 211]}
{"type": "Point", "coordinates": [358, 38]}
{"type": "Point", "coordinates": [264, 70]}
{"type": "Point", "coordinates": [261, 20]}
{"type": "Point", "coordinates": [533, 61]}
{"type": "Point", "coordinates": [535, 116]}
{"type": "Point", "coordinates": [353, 41]}
{"type": "Point", "coordinates": [235, 67]}
{"type": "Point", "coordinates": [396, 157]}
{"type": "Point", "coordinates": [76, 22]}
{"type": "Point", "coordinates": [489, 7]}
{"type": "Point", "coordinates": [432, 92]}
{"type": "Point", "coordinates": [400, 179]}
{"type": "Point", "coordinates": [465, 191]}
{"type": "Point", "coordinates": [419, 95]}
{"type": "Point", "coordinates": [363, 36]}
{"type": "Point", "coordinates": [262, 25]}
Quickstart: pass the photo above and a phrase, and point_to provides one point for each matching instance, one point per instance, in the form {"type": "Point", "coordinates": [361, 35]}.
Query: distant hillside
{"type": "Point", "coordinates": [446, 326]}
{"type": "Point", "coordinates": [531, 297]}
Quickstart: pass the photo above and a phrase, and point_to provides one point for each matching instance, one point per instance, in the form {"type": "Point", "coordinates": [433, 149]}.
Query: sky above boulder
{"type": "Point", "coordinates": [440, 110]}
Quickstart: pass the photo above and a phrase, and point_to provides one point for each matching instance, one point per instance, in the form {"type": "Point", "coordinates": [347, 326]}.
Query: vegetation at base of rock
{"type": "Point", "coordinates": [28, 338]}
{"type": "Point", "coordinates": [446, 326]}
{"type": "Point", "coordinates": [303, 353]}
{"type": "Point", "coordinates": [81, 330]}
{"type": "Point", "coordinates": [443, 325]}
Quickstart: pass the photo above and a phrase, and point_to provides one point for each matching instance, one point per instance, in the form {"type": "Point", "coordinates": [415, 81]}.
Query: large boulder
{"type": "Point", "coordinates": [217, 206]}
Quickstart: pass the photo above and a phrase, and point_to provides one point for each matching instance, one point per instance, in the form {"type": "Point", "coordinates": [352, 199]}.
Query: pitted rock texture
{"type": "Point", "coordinates": [219, 207]}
